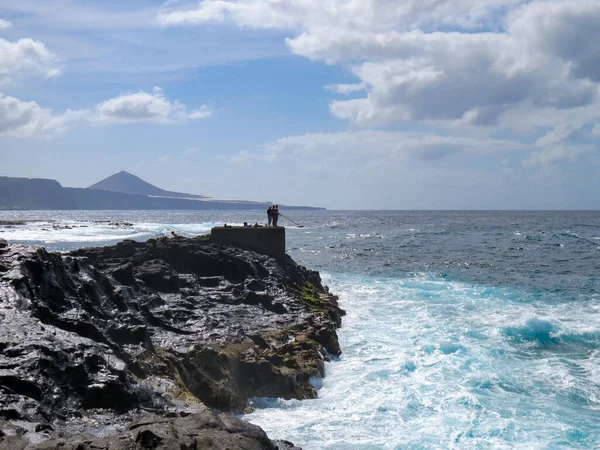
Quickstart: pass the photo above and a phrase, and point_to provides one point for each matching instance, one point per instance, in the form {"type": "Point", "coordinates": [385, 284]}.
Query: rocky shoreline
{"type": "Point", "coordinates": [154, 344]}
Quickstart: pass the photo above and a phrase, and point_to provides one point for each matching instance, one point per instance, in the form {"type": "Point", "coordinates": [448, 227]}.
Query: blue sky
{"type": "Point", "coordinates": [360, 104]}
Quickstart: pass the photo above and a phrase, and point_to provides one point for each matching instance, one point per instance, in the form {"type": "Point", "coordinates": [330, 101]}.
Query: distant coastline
{"type": "Point", "coordinates": [122, 191]}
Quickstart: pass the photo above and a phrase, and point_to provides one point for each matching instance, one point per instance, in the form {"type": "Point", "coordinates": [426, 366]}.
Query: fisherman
{"type": "Point", "coordinates": [270, 215]}
{"type": "Point", "coordinates": [175, 235]}
{"type": "Point", "coordinates": [275, 214]}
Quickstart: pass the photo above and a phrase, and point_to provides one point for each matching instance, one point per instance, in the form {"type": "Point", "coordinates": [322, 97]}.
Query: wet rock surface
{"type": "Point", "coordinates": [93, 340]}
{"type": "Point", "coordinates": [205, 430]}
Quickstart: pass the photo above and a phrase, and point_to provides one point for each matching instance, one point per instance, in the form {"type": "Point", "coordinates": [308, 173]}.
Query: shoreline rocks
{"type": "Point", "coordinates": [171, 327]}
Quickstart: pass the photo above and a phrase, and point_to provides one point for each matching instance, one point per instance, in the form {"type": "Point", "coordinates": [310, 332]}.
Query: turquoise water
{"type": "Point", "coordinates": [464, 330]}
{"type": "Point", "coordinates": [430, 363]}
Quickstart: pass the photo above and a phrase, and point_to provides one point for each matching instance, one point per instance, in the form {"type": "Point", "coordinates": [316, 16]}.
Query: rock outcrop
{"type": "Point", "coordinates": [205, 430]}
{"type": "Point", "coordinates": [95, 339]}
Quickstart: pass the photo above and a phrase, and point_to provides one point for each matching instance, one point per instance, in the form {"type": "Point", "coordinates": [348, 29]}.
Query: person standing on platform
{"type": "Point", "coordinates": [270, 215]}
{"type": "Point", "coordinates": [275, 213]}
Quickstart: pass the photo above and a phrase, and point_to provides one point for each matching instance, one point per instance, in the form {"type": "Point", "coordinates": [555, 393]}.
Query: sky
{"type": "Point", "coordinates": [355, 104]}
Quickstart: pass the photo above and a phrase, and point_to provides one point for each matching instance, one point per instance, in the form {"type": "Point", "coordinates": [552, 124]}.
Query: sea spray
{"type": "Point", "coordinates": [431, 363]}
{"type": "Point", "coordinates": [461, 332]}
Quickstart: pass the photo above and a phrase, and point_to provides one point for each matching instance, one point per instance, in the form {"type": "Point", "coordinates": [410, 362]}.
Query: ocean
{"type": "Point", "coordinates": [464, 330]}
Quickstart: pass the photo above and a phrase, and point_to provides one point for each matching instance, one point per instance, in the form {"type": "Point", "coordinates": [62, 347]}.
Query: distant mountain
{"type": "Point", "coordinates": [38, 193]}
{"type": "Point", "coordinates": [33, 193]}
{"type": "Point", "coordinates": [130, 184]}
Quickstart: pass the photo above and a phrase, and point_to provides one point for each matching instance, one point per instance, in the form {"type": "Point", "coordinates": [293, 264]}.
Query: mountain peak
{"type": "Point", "coordinates": [128, 183]}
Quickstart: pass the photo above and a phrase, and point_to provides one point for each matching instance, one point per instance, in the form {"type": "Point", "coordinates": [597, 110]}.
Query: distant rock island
{"type": "Point", "coordinates": [121, 191]}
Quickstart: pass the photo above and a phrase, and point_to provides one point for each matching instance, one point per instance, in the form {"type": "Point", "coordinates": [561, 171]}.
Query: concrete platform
{"type": "Point", "coordinates": [265, 240]}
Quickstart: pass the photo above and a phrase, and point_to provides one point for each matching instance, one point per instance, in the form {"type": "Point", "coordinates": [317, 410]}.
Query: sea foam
{"type": "Point", "coordinates": [431, 363]}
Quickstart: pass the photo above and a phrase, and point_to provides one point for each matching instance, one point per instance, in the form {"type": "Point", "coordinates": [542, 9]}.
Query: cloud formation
{"type": "Point", "coordinates": [388, 151]}
{"type": "Point", "coordinates": [382, 146]}
{"type": "Point", "coordinates": [358, 14]}
{"type": "Point", "coordinates": [5, 24]}
{"type": "Point", "coordinates": [28, 119]}
{"type": "Point", "coordinates": [461, 72]}
{"type": "Point", "coordinates": [450, 62]}
{"type": "Point", "coordinates": [20, 118]}
{"type": "Point", "coordinates": [551, 155]}
{"type": "Point", "coordinates": [26, 56]}
{"type": "Point", "coordinates": [146, 107]}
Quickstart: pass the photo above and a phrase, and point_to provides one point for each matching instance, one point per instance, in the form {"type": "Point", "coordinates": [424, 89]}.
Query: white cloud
{"type": "Point", "coordinates": [552, 155]}
{"type": "Point", "coordinates": [356, 14]}
{"type": "Point", "coordinates": [146, 107]}
{"type": "Point", "coordinates": [565, 30]}
{"type": "Point", "coordinates": [443, 76]}
{"type": "Point", "coordinates": [558, 135]}
{"type": "Point", "coordinates": [22, 119]}
{"type": "Point", "coordinates": [203, 113]}
{"type": "Point", "coordinates": [409, 169]}
{"type": "Point", "coordinates": [501, 55]}
{"type": "Point", "coordinates": [26, 56]}
{"type": "Point", "coordinates": [78, 15]}
{"type": "Point", "coordinates": [483, 68]}
{"type": "Point", "coordinates": [386, 146]}
{"type": "Point", "coordinates": [5, 24]}
{"type": "Point", "coordinates": [388, 151]}
{"type": "Point", "coordinates": [257, 14]}
{"type": "Point", "coordinates": [28, 119]}
{"type": "Point", "coordinates": [346, 89]}
{"type": "Point", "coordinates": [563, 143]}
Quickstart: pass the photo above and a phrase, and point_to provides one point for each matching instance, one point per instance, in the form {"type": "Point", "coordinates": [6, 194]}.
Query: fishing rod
{"type": "Point", "coordinates": [294, 222]}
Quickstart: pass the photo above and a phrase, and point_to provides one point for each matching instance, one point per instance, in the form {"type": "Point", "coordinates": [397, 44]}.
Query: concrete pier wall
{"type": "Point", "coordinates": [266, 240]}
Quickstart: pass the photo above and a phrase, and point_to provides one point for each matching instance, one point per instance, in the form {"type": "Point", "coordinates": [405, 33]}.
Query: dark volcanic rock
{"type": "Point", "coordinates": [205, 430]}
{"type": "Point", "coordinates": [89, 338]}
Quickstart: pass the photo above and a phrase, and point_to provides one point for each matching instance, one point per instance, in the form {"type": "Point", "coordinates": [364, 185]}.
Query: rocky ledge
{"type": "Point", "coordinates": [154, 344]}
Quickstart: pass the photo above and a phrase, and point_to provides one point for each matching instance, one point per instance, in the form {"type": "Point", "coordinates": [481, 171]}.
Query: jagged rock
{"type": "Point", "coordinates": [90, 338]}
{"type": "Point", "coordinates": [205, 430]}
{"type": "Point", "coordinates": [124, 274]}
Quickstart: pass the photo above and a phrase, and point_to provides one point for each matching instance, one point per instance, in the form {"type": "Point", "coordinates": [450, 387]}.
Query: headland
{"type": "Point", "coordinates": [154, 344]}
